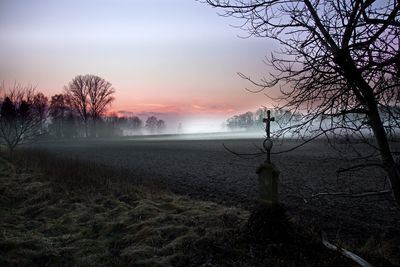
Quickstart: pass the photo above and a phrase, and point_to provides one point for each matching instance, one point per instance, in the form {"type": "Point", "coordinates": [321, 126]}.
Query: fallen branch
{"type": "Point", "coordinates": [344, 194]}
{"type": "Point", "coordinates": [344, 252]}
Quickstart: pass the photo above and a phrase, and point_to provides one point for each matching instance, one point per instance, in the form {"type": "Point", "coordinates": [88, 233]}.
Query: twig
{"type": "Point", "coordinates": [354, 167]}
{"type": "Point", "coordinates": [244, 155]}
{"type": "Point", "coordinates": [300, 145]}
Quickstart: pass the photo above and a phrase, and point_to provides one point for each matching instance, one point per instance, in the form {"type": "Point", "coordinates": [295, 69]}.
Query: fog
{"type": "Point", "coordinates": [198, 128]}
{"type": "Point", "coordinates": [227, 135]}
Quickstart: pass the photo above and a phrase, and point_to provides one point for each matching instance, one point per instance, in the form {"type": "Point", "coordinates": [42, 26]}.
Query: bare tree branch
{"type": "Point", "coordinates": [90, 96]}
{"type": "Point", "coordinates": [339, 66]}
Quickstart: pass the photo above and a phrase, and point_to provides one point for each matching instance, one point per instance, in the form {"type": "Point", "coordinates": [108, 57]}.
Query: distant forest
{"type": "Point", "coordinates": [254, 120]}
{"type": "Point", "coordinates": [64, 122]}
{"type": "Point", "coordinates": [80, 111]}
{"type": "Point", "coordinates": [59, 119]}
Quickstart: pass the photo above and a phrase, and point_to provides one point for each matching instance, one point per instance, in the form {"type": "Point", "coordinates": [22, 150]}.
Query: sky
{"type": "Point", "coordinates": [177, 59]}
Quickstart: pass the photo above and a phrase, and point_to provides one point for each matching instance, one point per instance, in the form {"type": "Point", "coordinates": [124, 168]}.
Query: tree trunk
{"type": "Point", "coordinates": [388, 162]}
{"type": "Point", "coordinates": [365, 95]}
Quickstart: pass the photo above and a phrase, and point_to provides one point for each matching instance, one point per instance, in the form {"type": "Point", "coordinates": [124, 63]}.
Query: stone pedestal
{"type": "Point", "coordinates": [268, 179]}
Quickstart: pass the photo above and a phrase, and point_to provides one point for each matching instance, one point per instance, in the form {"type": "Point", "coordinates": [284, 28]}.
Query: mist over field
{"type": "Point", "coordinates": [200, 133]}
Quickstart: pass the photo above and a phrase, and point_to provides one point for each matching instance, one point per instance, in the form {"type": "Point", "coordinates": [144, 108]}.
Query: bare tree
{"type": "Point", "coordinates": [339, 65]}
{"type": "Point", "coordinates": [57, 113]}
{"type": "Point", "coordinates": [151, 123]}
{"type": "Point", "coordinates": [161, 126]}
{"type": "Point", "coordinates": [62, 116]}
{"type": "Point", "coordinates": [22, 115]}
{"type": "Point", "coordinates": [135, 123]}
{"type": "Point", "coordinates": [40, 108]}
{"type": "Point", "coordinates": [78, 94]}
{"type": "Point", "coordinates": [100, 96]}
{"type": "Point", "coordinates": [90, 96]}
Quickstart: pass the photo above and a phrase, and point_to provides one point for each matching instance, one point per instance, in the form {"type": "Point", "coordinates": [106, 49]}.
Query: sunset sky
{"type": "Point", "coordinates": [175, 57]}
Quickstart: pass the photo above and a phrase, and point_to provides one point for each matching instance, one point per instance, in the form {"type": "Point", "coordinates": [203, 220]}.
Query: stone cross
{"type": "Point", "coordinates": [268, 174]}
{"type": "Point", "coordinates": [268, 142]}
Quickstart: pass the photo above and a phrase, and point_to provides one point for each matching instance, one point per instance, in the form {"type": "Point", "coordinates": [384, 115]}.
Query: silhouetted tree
{"type": "Point", "coordinates": [151, 123]}
{"type": "Point", "coordinates": [8, 111]}
{"type": "Point", "coordinates": [22, 115]}
{"type": "Point", "coordinates": [135, 123]}
{"type": "Point", "coordinates": [70, 129]}
{"type": "Point", "coordinates": [78, 93]}
{"type": "Point", "coordinates": [338, 59]}
{"type": "Point", "coordinates": [57, 112]}
{"type": "Point", "coordinates": [161, 126]}
{"type": "Point", "coordinates": [250, 120]}
{"type": "Point", "coordinates": [63, 117]}
{"type": "Point", "coordinates": [90, 96]}
{"type": "Point", "coordinates": [40, 107]}
{"type": "Point", "coordinates": [100, 95]}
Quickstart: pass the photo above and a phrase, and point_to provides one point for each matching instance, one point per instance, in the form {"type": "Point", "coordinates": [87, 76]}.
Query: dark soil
{"type": "Point", "coordinates": [203, 169]}
{"type": "Point", "coordinates": [48, 221]}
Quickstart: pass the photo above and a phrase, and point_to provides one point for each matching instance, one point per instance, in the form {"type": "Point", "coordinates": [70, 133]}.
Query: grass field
{"type": "Point", "coordinates": [204, 170]}
{"type": "Point", "coordinates": [65, 212]}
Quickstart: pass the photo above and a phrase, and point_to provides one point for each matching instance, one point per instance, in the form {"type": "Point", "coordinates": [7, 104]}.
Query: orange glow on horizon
{"type": "Point", "coordinates": [178, 110]}
{"type": "Point", "coordinates": [182, 64]}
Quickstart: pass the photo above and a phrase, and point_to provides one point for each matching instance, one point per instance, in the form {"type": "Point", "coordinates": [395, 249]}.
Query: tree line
{"type": "Point", "coordinates": [285, 119]}
{"type": "Point", "coordinates": [78, 112]}
{"type": "Point", "coordinates": [254, 120]}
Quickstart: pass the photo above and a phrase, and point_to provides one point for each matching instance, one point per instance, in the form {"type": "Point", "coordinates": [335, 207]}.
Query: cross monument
{"type": "Point", "coordinates": [268, 142]}
{"type": "Point", "coordinates": [268, 174]}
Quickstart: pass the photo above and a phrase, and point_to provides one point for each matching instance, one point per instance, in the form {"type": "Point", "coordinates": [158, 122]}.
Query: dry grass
{"type": "Point", "coordinates": [110, 223]}
{"type": "Point", "coordinates": [75, 175]}
{"type": "Point", "coordinates": [63, 213]}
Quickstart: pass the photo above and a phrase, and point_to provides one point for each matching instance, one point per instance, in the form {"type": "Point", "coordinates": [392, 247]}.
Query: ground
{"type": "Point", "coordinates": [64, 220]}
{"type": "Point", "coordinates": [203, 169]}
